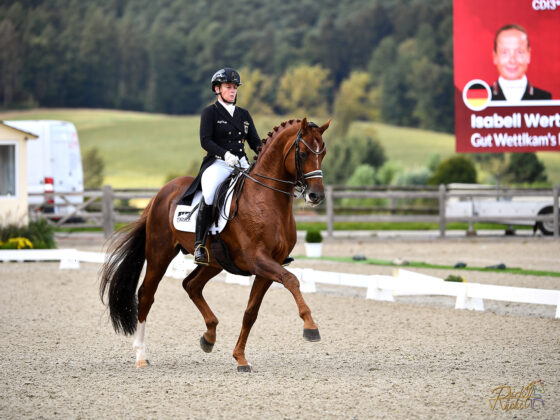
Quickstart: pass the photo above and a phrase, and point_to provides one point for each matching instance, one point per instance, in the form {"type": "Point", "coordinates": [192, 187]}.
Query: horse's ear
{"type": "Point", "coordinates": [325, 126]}
{"type": "Point", "coordinates": [303, 125]}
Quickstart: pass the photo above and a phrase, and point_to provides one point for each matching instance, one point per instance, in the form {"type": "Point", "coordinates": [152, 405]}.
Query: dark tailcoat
{"type": "Point", "coordinates": [531, 93]}
{"type": "Point", "coordinates": [221, 133]}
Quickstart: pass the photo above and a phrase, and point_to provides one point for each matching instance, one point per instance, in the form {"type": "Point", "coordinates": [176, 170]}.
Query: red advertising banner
{"type": "Point", "coordinates": [507, 75]}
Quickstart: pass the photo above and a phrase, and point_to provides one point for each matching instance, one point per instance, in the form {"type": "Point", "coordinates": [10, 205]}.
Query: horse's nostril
{"type": "Point", "coordinates": [316, 197]}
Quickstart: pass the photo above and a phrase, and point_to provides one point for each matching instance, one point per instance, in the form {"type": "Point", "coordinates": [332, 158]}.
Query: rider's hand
{"type": "Point", "coordinates": [231, 160]}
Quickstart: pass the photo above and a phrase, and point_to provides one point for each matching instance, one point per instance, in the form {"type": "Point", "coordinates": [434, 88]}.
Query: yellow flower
{"type": "Point", "coordinates": [21, 243]}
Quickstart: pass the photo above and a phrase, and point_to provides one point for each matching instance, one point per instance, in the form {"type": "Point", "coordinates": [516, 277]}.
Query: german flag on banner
{"type": "Point", "coordinates": [477, 95]}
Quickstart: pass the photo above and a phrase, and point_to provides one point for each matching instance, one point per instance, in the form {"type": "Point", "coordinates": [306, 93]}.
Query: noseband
{"type": "Point", "coordinates": [300, 183]}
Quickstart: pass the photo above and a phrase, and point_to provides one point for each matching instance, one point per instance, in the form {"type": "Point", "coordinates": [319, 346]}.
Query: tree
{"type": "Point", "coordinates": [493, 163]}
{"type": "Point", "coordinates": [255, 91]}
{"type": "Point", "coordinates": [303, 91]}
{"type": "Point", "coordinates": [525, 167]}
{"type": "Point", "coordinates": [432, 85]}
{"type": "Point", "coordinates": [352, 102]}
{"type": "Point", "coordinates": [133, 66]}
{"type": "Point", "coordinates": [397, 96]}
{"type": "Point", "coordinates": [158, 55]}
{"type": "Point", "coordinates": [94, 168]}
{"type": "Point", "coordinates": [384, 56]}
{"type": "Point", "coordinates": [369, 149]}
{"type": "Point", "coordinates": [10, 61]}
{"type": "Point", "coordinates": [170, 87]}
{"type": "Point", "coordinates": [454, 169]}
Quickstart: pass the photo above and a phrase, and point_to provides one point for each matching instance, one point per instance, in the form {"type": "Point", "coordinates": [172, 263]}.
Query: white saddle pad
{"type": "Point", "coordinates": [184, 221]}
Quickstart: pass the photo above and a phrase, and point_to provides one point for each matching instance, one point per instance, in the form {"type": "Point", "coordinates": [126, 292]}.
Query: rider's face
{"type": "Point", "coordinates": [228, 91]}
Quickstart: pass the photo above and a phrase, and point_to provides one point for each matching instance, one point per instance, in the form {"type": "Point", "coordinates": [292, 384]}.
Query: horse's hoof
{"type": "Point", "coordinates": [205, 345]}
{"type": "Point", "coordinates": [311, 335]}
{"type": "Point", "coordinates": [142, 363]}
{"type": "Point", "coordinates": [245, 368]}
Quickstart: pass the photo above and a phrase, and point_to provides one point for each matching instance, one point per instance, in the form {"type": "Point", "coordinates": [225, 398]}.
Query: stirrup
{"type": "Point", "coordinates": [201, 261]}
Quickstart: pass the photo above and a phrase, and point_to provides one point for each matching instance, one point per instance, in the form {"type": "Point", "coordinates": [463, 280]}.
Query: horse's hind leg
{"type": "Point", "coordinates": [193, 285]}
{"type": "Point", "coordinates": [155, 270]}
{"type": "Point", "coordinates": [259, 289]}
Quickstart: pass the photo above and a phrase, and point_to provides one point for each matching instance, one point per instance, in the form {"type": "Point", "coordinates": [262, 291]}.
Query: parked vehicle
{"type": "Point", "coordinates": [498, 209]}
{"type": "Point", "coordinates": [54, 164]}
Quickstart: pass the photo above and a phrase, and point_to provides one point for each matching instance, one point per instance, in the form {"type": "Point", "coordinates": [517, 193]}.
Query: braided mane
{"type": "Point", "coordinates": [276, 131]}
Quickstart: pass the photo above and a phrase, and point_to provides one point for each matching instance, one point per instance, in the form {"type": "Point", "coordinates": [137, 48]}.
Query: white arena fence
{"type": "Point", "coordinates": [383, 288]}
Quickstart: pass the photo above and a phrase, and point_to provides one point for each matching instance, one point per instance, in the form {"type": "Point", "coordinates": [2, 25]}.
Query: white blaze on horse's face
{"type": "Point", "coordinates": [312, 154]}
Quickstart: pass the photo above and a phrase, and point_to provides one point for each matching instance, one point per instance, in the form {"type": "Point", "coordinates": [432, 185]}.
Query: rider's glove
{"type": "Point", "coordinates": [231, 160]}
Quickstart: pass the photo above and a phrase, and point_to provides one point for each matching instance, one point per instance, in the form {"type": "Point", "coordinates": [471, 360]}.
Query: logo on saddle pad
{"type": "Point", "coordinates": [184, 216]}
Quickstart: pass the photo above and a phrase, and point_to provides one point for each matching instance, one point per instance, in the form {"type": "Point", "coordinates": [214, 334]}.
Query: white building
{"type": "Point", "coordinates": [13, 175]}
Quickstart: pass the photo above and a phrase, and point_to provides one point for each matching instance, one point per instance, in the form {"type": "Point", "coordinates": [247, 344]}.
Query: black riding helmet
{"type": "Point", "coordinates": [225, 75]}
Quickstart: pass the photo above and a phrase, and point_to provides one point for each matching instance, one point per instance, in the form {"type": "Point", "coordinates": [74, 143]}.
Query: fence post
{"type": "Point", "coordinates": [442, 210]}
{"type": "Point", "coordinates": [330, 211]}
{"type": "Point", "coordinates": [108, 210]}
{"type": "Point", "coordinates": [555, 211]}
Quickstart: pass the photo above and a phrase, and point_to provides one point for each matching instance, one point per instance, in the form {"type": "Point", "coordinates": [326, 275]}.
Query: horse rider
{"type": "Point", "coordinates": [224, 130]}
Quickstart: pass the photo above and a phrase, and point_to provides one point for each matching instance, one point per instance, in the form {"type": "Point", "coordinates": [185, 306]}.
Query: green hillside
{"type": "Point", "coordinates": [141, 149]}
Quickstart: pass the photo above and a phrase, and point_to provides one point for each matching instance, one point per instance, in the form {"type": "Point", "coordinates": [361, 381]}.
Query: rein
{"type": "Point", "coordinates": [300, 183]}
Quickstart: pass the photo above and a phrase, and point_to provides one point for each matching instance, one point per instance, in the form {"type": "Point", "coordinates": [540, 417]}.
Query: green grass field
{"type": "Point", "coordinates": [141, 150]}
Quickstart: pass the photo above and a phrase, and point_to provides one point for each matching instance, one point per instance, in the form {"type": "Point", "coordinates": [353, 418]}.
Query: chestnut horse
{"type": "Point", "coordinates": [259, 237]}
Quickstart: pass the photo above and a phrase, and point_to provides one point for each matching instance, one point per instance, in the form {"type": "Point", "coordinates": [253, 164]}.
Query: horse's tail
{"type": "Point", "coordinates": [120, 274]}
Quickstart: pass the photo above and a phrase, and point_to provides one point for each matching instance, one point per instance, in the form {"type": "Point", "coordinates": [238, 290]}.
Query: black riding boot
{"type": "Point", "coordinates": [203, 221]}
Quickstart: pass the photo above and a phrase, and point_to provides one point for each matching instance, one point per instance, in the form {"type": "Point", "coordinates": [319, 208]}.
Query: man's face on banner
{"type": "Point", "coordinates": [512, 55]}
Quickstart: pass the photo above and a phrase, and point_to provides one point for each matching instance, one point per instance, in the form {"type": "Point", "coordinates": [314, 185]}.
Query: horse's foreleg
{"type": "Point", "coordinates": [272, 270]}
{"type": "Point", "coordinates": [260, 287]}
{"type": "Point", "coordinates": [193, 285]}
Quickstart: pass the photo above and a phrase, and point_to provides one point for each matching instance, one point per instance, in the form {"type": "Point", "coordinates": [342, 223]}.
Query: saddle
{"type": "Point", "coordinates": [184, 219]}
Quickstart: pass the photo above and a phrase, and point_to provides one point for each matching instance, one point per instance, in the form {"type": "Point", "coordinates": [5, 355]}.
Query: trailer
{"type": "Point", "coordinates": [470, 200]}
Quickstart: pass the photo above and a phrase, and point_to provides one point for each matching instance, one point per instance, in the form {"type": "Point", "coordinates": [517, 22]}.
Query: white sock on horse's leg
{"type": "Point", "coordinates": [139, 345]}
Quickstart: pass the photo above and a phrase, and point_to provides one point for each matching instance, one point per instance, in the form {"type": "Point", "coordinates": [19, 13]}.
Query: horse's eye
{"type": "Point", "coordinates": [302, 155]}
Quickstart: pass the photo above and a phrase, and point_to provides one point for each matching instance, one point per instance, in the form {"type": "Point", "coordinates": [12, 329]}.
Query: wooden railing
{"type": "Point", "coordinates": [103, 208]}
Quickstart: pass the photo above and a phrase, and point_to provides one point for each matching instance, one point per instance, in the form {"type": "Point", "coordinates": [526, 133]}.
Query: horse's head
{"type": "Point", "coordinates": [304, 158]}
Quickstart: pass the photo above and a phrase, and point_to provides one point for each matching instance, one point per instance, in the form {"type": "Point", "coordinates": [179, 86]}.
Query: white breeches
{"type": "Point", "coordinates": [214, 175]}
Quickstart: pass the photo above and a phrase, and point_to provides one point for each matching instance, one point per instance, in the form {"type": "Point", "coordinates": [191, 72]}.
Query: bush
{"type": "Point", "coordinates": [39, 233]}
{"type": "Point", "coordinates": [419, 176]}
{"type": "Point", "coordinates": [454, 169]}
{"type": "Point", "coordinates": [363, 176]}
{"type": "Point", "coordinates": [525, 167]}
{"type": "Point", "coordinates": [347, 154]}
{"type": "Point", "coordinates": [388, 173]}
{"type": "Point", "coordinates": [313, 236]}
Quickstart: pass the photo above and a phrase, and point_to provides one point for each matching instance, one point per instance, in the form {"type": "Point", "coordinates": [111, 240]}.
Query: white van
{"type": "Point", "coordinates": [54, 163]}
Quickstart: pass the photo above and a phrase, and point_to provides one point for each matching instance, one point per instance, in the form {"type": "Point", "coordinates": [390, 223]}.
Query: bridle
{"type": "Point", "coordinates": [300, 184]}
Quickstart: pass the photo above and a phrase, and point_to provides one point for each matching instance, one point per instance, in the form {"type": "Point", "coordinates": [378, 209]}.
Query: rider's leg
{"type": "Point", "coordinates": [203, 220]}
{"type": "Point", "coordinates": [213, 176]}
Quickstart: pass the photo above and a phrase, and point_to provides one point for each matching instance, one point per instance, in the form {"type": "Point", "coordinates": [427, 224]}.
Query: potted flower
{"type": "Point", "coordinates": [313, 243]}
